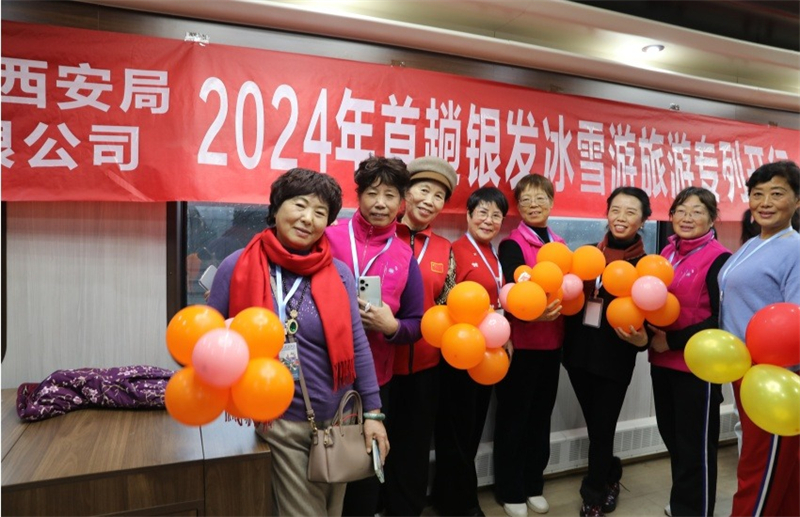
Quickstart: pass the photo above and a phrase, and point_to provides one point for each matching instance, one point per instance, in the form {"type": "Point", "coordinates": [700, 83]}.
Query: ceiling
{"type": "Point", "coordinates": [738, 51]}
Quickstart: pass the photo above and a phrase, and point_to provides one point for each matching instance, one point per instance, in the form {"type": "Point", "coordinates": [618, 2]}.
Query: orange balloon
{"type": "Point", "coordinates": [526, 301]}
{"type": "Point", "coordinates": [588, 262]}
{"type": "Point", "coordinates": [187, 326]}
{"type": "Point", "coordinates": [623, 313]}
{"type": "Point", "coordinates": [574, 306]}
{"type": "Point", "coordinates": [435, 322]}
{"type": "Point", "coordinates": [492, 368]}
{"type": "Point", "coordinates": [657, 266]}
{"type": "Point", "coordinates": [666, 315]}
{"type": "Point", "coordinates": [618, 277]}
{"type": "Point", "coordinates": [558, 253]}
{"type": "Point", "coordinates": [523, 269]}
{"type": "Point", "coordinates": [261, 329]}
{"type": "Point", "coordinates": [557, 295]}
{"type": "Point", "coordinates": [463, 346]}
{"type": "Point", "coordinates": [232, 410]}
{"type": "Point", "coordinates": [190, 401]}
{"type": "Point", "coordinates": [548, 275]}
{"type": "Point", "coordinates": [265, 390]}
{"type": "Point", "coordinates": [468, 302]}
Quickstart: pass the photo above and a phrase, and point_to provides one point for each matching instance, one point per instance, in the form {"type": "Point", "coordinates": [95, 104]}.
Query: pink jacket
{"type": "Point", "coordinates": [391, 266]}
{"type": "Point", "coordinates": [534, 335]}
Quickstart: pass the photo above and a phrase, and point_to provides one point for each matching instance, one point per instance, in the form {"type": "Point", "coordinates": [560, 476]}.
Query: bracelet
{"type": "Point", "coordinates": [375, 416]}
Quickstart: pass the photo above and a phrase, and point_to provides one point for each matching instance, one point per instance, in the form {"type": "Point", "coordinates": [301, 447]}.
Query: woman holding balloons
{"type": "Point", "coordinates": [600, 358]}
{"type": "Point", "coordinates": [687, 407]}
{"type": "Point", "coordinates": [527, 394]}
{"type": "Point", "coordinates": [463, 402]}
{"type": "Point", "coordinates": [765, 271]}
{"type": "Point", "coordinates": [368, 245]}
{"type": "Point", "coordinates": [289, 267]}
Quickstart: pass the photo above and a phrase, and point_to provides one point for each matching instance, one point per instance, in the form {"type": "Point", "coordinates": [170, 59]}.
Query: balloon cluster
{"type": "Point", "coordinates": [641, 293]}
{"type": "Point", "coordinates": [769, 392]}
{"type": "Point", "coordinates": [470, 334]}
{"type": "Point", "coordinates": [229, 366]}
{"type": "Point", "coordinates": [557, 275]}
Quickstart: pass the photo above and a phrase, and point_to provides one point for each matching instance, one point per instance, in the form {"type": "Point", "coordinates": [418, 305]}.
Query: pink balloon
{"type": "Point", "coordinates": [504, 294]}
{"type": "Point", "coordinates": [220, 357]}
{"type": "Point", "coordinates": [649, 293]}
{"type": "Point", "coordinates": [572, 286]}
{"type": "Point", "coordinates": [495, 330]}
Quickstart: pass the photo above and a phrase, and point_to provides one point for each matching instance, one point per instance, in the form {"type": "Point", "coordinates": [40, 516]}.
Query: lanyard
{"type": "Point", "coordinates": [424, 249]}
{"type": "Point", "coordinates": [536, 235]}
{"type": "Point", "coordinates": [742, 257]}
{"type": "Point", "coordinates": [498, 278]}
{"type": "Point", "coordinates": [356, 270]}
{"type": "Point", "coordinates": [672, 257]}
{"type": "Point", "coordinates": [279, 292]}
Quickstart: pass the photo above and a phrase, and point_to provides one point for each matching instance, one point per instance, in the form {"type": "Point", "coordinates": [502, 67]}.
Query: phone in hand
{"type": "Point", "coordinates": [376, 460]}
{"type": "Point", "coordinates": [208, 277]}
{"type": "Point", "coordinates": [369, 290]}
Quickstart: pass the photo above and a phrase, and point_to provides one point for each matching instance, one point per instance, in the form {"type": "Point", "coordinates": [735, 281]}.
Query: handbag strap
{"type": "Point", "coordinates": [290, 339]}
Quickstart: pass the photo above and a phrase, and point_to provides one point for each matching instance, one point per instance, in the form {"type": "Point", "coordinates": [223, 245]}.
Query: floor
{"type": "Point", "coordinates": [645, 492]}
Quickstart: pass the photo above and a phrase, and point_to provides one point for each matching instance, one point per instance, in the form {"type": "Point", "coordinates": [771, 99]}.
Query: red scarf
{"type": "Point", "coordinates": [250, 287]}
{"type": "Point", "coordinates": [635, 250]}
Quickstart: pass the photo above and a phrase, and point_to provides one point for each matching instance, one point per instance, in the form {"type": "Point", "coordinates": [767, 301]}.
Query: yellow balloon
{"type": "Point", "coordinates": [771, 398]}
{"type": "Point", "coordinates": [717, 356]}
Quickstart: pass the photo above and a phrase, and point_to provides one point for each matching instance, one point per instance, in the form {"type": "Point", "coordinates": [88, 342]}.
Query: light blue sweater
{"type": "Point", "coordinates": [749, 282]}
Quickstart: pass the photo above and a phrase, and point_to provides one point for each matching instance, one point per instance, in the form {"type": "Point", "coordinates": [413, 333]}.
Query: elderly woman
{"type": "Point", "coordinates": [600, 359]}
{"type": "Point", "coordinates": [415, 386]}
{"type": "Point", "coordinates": [463, 403]}
{"type": "Point", "coordinates": [687, 408]}
{"type": "Point", "coordinates": [291, 261]}
{"type": "Point", "coordinates": [368, 246]}
{"type": "Point", "coordinates": [527, 394]}
{"type": "Point", "coordinates": [765, 270]}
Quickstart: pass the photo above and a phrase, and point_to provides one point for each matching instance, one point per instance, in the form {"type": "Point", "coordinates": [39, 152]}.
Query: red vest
{"type": "Point", "coordinates": [433, 266]}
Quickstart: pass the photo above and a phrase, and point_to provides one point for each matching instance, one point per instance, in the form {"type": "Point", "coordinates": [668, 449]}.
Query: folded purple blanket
{"type": "Point", "coordinates": [126, 387]}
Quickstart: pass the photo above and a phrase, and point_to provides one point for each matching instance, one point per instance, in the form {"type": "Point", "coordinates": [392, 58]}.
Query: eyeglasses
{"type": "Point", "coordinates": [482, 215]}
{"type": "Point", "coordinates": [694, 214]}
{"type": "Point", "coordinates": [538, 201]}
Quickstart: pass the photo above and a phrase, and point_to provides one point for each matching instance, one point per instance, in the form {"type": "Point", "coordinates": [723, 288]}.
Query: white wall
{"type": "Point", "coordinates": [86, 287]}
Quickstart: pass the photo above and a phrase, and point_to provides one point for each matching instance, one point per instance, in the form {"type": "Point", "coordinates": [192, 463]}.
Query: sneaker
{"type": "Point", "coordinates": [668, 511]}
{"type": "Point", "coordinates": [610, 503]}
{"type": "Point", "coordinates": [516, 509]}
{"type": "Point", "coordinates": [589, 510]}
{"type": "Point", "coordinates": [538, 504]}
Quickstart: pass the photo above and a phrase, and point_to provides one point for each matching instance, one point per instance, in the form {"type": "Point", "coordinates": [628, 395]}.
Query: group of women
{"type": "Point", "coordinates": [309, 269]}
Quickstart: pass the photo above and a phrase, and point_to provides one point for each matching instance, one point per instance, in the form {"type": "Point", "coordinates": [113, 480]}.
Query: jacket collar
{"type": "Point", "coordinates": [364, 231]}
{"type": "Point", "coordinates": [685, 246]}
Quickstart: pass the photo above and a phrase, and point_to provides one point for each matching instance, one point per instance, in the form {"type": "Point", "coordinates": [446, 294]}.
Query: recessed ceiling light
{"type": "Point", "coordinates": [652, 49]}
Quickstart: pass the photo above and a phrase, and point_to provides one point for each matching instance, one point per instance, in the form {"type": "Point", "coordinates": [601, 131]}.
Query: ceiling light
{"type": "Point", "coordinates": [652, 49]}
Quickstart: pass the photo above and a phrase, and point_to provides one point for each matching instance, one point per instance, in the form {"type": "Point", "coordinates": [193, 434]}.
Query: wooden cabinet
{"type": "Point", "coordinates": [125, 462]}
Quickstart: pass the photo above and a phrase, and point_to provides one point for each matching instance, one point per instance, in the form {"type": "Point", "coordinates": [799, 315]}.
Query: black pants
{"type": "Point", "coordinates": [687, 411]}
{"type": "Point", "coordinates": [413, 400]}
{"type": "Point", "coordinates": [363, 498]}
{"type": "Point", "coordinates": [463, 404]}
{"type": "Point", "coordinates": [525, 400]}
{"type": "Point", "coordinates": [601, 402]}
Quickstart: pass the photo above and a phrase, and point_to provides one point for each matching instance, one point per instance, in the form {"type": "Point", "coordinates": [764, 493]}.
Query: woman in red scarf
{"type": "Point", "coordinates": [289, 269]}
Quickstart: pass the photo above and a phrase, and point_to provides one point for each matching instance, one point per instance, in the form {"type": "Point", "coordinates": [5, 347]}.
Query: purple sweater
{"type": "Point", "coordinates": [311, 347]}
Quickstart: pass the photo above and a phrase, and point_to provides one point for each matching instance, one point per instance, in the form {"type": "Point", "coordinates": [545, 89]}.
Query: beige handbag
{"type": "Point", "coordinates": [338, 452]}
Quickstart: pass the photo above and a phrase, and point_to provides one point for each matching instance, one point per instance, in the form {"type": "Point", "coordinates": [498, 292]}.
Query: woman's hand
{"type": "Point", "coordinates": [509, 349]}
{"type": "Point", "coordinates": [551, 312]}
{"type": "Point", "coordinates": [376, 318]}
{"type": "Point", "coordinates": [375, 429]}
{"type": "Point", "coordinates": [659, 340]}
{"type": "Point", "coordinates": [634, 337]}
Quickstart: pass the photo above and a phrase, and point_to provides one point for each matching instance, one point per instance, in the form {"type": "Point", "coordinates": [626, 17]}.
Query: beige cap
{"type": "Point", "coordinates": [433, 168]}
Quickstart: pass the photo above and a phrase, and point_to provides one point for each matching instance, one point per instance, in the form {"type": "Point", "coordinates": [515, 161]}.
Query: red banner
{"type": "Point", "coordinates": [89, 115]}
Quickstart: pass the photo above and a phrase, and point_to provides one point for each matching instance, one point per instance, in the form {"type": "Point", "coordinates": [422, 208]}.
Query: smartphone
{"type": "Point", "coordinates": [376, 460]}
{"type": "Point", "coordinates": [208, 277]}
{"type": "Point", "coordinates": [369, 289]}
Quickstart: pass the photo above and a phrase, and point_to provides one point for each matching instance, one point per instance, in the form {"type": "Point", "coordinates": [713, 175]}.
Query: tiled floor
{"type": "Point", "coordinates": [645, 493]}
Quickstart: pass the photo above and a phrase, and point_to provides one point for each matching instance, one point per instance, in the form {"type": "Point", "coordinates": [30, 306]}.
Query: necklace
{"type": "Point", "coordinates": [292, 325]}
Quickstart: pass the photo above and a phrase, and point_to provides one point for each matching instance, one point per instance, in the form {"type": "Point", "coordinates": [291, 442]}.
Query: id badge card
{"type": "Point", "coordinates": [288, 356]}
{"type": "Point", "coordinates": [593, 313]}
